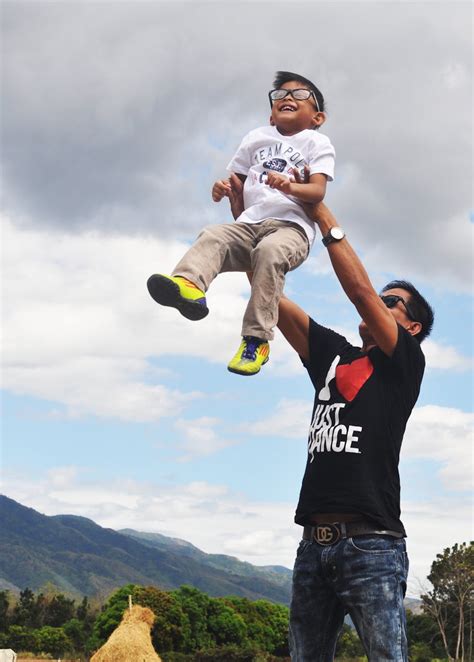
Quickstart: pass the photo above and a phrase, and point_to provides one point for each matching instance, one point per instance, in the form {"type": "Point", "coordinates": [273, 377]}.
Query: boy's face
{"type": "Point", "coordinates": [291, 116]}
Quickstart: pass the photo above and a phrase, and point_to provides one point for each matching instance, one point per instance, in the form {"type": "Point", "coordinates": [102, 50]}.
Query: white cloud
{"type": "Point", "coordinates": [88, 144]}
{"type": "Point", "coordinates": [105, 387]}
{"type": "Point", "coordinates": [198, 437]}
{"type": "Point", "coordinates": [290, 418]}
{"type": "Point", "coordinates": [79, 326]}
{"type": "Point", "coordinates": [319, 264]}
{"type": "Point", "coordinates": [445, 435]}
{"type": "Point", "coordinates": [431, 527]}
{"type": "Point", "coordinates": [220, 521]}
{"type": "Point", "coordinates": [445, 357]}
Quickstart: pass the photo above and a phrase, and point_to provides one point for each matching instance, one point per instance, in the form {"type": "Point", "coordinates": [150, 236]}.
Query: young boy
{"type": "Point", "coordinates": [272, 235]}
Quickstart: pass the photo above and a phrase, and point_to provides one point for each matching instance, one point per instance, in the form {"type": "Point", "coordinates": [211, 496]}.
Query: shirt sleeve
{"type": "Point", "coordinates": [322, 158]}
{"type": "Point", "coordinates": [408, 358]}
{"type": "Point", "coordinates": [324, 345]}
{"type": "Point", "coordinates": [240, 163]}
{"type": "Point", "coordinates": [405, 367]}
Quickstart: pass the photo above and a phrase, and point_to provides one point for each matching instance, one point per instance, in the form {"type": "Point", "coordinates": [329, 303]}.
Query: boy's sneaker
{"type": "Point", "coordinates": [179, 293]}
{"type": "Point", "coordinates": [251, 355]}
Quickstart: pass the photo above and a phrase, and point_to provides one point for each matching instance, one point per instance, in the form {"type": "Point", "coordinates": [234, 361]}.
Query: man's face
{"type": "Point", "coordinates": [398, 310]}
{"type": "Point", "coordinates": [291, 115]}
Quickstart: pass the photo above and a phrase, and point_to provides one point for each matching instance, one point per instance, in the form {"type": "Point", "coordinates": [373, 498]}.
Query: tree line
{"type": "Point", "coordinates": [191, 626]}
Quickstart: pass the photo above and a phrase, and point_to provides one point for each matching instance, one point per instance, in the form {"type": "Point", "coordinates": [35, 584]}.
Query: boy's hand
{"type": "Point", "coordinates": [221, 189]}
{"type": "Point", "coordinates": [232, 188]}
{"type": "Point", "coordinates": [280, 182]}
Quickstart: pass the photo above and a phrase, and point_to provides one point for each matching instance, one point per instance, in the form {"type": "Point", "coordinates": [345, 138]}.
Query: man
{"type": "Point", "coordinates": [352, 558]}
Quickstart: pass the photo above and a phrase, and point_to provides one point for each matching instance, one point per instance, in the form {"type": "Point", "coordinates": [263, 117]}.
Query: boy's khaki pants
{"type": "Point", "coordinates": [268, 249]}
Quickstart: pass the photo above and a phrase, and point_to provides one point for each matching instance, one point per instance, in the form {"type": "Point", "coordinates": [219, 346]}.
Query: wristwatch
{"type": "Point", "coordinates": [334, 234]}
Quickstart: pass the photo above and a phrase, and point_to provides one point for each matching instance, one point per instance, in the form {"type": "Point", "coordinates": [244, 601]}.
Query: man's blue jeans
{"type": "Point", "coordinates": [364, 576]}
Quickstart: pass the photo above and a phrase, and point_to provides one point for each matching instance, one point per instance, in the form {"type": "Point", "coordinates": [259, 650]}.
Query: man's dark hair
{"type": "Point", "coordinates": [420, 307]}
{"type": "Point", "coordinates": [283, 77]}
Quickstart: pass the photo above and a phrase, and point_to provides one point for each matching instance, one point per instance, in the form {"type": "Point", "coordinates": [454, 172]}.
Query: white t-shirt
{"type": "Point", "coordinates": [266, 149]}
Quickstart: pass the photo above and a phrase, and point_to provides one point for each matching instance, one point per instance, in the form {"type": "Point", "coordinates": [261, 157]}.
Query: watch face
{"type": "Point", "coordinates": [337, 233]}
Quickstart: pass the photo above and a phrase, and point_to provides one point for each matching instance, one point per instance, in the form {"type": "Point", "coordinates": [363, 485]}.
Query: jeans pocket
{"type": "Point", "coordinates": [302, 547]}
{"type": "Point", "coordinates": [373, 544]}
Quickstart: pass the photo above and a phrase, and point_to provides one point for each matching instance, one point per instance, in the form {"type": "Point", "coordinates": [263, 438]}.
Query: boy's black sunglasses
{"type": "Point", "coordinates": [300, 94]}
{"type": "Point", "coordinates": [391, 300]}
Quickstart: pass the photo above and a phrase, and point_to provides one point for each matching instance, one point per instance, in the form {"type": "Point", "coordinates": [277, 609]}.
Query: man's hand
{"type": "Point", "coordinates": [236, 195]}
{"type": "Point", "coordinates": [220, 189]}
{"type": "Point", "coordinates": [297, 175]}
{"type": "Point", "coordinates": [307, 206]}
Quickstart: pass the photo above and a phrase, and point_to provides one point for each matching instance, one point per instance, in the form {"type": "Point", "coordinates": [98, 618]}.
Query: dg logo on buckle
{"type": "Point", "coordinates": [326, 534]}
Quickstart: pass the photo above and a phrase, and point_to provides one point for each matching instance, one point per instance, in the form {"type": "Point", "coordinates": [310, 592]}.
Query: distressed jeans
{"type": "Point", "coordinates": [363, 576]}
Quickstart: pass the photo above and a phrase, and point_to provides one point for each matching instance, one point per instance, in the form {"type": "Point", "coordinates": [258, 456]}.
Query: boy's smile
{"type": "Point", "coordinates": [291, 115]}
{"type": "Point", "coordinates": [286, 107]}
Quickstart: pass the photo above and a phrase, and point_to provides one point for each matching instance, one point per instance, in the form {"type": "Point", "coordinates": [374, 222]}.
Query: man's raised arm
{"type": "Point", "coordinates": [356, 284]}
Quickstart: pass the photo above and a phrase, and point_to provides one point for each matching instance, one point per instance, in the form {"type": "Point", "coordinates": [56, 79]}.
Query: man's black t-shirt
{"type": "Point", "coordinates": [361, 407]}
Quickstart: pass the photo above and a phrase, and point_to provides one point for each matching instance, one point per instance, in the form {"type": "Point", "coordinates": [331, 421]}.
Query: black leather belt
{"type": "Point", "coordinates": [328, 533]}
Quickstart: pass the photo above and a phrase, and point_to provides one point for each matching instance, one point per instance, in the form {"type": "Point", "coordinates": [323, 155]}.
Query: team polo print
{"type": "Point", "coordinates": [271, 156]}
{"type": "Point", "coordinates": [327, 433]}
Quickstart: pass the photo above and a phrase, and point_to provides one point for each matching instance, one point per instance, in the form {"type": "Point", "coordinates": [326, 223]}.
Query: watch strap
{"type": "Point", "coordinates": [329, 238]}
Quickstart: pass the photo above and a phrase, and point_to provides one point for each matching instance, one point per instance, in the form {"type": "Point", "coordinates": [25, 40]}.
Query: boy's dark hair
{"type": "Point", "coordinates": [283, 77]}
{"type": "Point", "coordinates": [422, 310]}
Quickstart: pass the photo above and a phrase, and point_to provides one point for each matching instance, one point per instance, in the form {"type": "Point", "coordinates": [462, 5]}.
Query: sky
{"type": "Point", "coordinates": [116, 118]}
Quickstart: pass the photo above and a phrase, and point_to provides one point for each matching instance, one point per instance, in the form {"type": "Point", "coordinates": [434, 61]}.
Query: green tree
{"type": "Point", "coordinates": [225, 625]}
{"type": "Point", "coordinates": [195, 605]}
{"type": "Point", "coordinates": [171, 630]}
{"type": "Point", "coordinates": [450, 601]}
{"type": "Point", "coordinates": [423, 635]}
{"type": "Point", "coordinates": [77, 633]}
{"type": "Point", "coordinates": [110, 617]}
{"type": "Point", "coordinates": [266, 623]}
{"type": "Point", "coordinates": [59, 610]}
{"type": "Point", "coordinates": [4, 608]}
{"type": "Point", "coordinates": [29, 610]}
{"type": "Point", "coordinates": [420, 652]}
{"type": "Point", "coordinates": [83, 612]}
{"type": "Point", "coordinates": [53, 641]}
{"type": "Point", "coordinates": [21, 638]}
{"type": "Point", "coordinates": [349, 644]}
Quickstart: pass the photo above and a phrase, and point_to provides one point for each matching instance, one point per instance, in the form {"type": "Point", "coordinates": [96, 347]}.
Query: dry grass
{"type": "Point", "coordinates": [131, 640]}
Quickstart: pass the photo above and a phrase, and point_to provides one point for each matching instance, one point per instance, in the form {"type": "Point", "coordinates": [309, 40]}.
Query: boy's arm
{"type": "Point", "coordinates": [312, 191]}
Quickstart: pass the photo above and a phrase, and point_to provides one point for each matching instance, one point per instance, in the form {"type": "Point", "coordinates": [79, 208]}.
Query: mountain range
{"type": "Point", "coordinates": [79, 557]}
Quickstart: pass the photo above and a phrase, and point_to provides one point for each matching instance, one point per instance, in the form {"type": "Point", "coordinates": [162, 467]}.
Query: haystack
{"type": "Point", "coordinates": [131, 640]}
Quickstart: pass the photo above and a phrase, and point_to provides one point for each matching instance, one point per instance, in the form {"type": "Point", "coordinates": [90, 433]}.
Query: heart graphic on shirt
{"type": "Point", "coordinates": [350, 378]}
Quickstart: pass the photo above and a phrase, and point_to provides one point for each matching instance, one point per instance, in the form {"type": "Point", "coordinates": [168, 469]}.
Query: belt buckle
{"type": "Point", "coordinates": [326, 533]}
